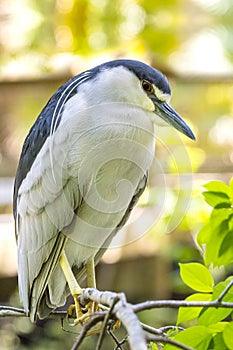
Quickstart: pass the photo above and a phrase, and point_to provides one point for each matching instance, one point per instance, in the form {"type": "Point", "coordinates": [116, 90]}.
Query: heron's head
{"type": "Point", "coordinates": [134, 83]}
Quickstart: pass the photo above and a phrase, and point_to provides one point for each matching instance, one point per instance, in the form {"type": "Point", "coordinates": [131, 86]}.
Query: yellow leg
{"type": "Point", "coordinates": [75, 289]}
{"type": "Point", "coordinates": [93, 306]}
{"type": "Point", "coordinates": [90, 268]}
{"type": "Point", "coordinates": [91, 282]}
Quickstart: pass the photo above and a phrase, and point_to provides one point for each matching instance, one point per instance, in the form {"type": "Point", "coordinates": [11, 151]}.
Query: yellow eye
{"type": "Point", "coordinates": [147, 86]}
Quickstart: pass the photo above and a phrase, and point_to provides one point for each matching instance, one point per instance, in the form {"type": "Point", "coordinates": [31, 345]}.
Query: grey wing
{"type": "Point", "coordinates": [44, 126]}
{"type": "Point", "coordinates": [41, 217]}
{"type": "Point", "coordinates": [42, 205]}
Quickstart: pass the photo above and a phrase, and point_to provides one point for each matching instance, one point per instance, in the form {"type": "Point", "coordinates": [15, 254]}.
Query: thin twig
{"type": "Point", "coordinates": [151, 330]}
{"type": "Point", "coordinates": [168, 328]}
{"type": "Point", "coordinates": [86, 327]}
{"type": "Point", "coordinates": [175, 304]}
{"type": "Point", "coordinates": [165, 340]}
{"type": "Point", "coordinates": [118, 343]}
{"type": "Point", "coordinates": [105, 323]}
{"type": "Point", "coordinates": [67, 330]}
{"type": "Point", "coordinates": [8, 311]}
{"type": "Point", "coordinates": [110, 332]}
{"type": "Point", "coordinates": [123, 341]}
{"type": "Point", "coordinates": [225, 291]}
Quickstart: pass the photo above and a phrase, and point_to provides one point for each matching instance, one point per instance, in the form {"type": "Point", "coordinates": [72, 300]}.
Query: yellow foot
{"type": "Point", "coordinates": [116, 325]}
{"type": "Point", "coordinates": [82, 314]}
{"type": "Point", "coordinates": [92, 306]}
{"type": "Point", "coordinates": [77, 310]}
{"type": "Point", "coordinates": [72, 312]}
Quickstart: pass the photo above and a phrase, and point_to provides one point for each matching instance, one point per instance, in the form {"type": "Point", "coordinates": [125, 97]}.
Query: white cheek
{"type": "Point", "coordinates": [148, 105]}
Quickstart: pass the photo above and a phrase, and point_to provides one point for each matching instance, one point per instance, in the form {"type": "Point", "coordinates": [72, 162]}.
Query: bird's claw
{"type": "Point", "coordinates": [83, 314]}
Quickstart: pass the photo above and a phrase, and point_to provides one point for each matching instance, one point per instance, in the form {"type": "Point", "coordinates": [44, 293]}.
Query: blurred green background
{"type": "Point", "coordinates": [42, 44]}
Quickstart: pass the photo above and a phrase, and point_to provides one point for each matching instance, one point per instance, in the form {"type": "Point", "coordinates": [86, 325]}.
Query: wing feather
{"type": "Point", "coordinates": [45, 206]}
{"type": "Point", "coordinates": [38, 244]}
{"type": "Point", "coordinates": [45, 126]}
{"type": "Point", "coordinates": [41, 282]}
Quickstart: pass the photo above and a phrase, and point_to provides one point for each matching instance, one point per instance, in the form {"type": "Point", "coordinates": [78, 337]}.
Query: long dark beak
{"type": "Point", "coordinates": [169, 115]}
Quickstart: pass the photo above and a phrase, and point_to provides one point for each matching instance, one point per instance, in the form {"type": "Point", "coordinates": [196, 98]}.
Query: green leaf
{"type": "Point", "coordinates": [197, 337]}
{"type": "Point", "coordinates": [219, 215]}
{"type": "Point", "coordinates": [227, 335]}
{"type": "Point", "coordinates": [204, 234]}
{"type": "Point", "coordinates": [213, 233]}
{"type": "Point", "coordinates": [223, 205]}
{"type": "Point", "coordinates": [230, 222]}
{"type": "Point", "coordinates": [231, 187]}
{"type": "Point", "coordinates": [226, 250]}
{"type": "Point", "coordinates": [217, 327]}
{"type": "Point", "coordinates": [218, 343]}
{"type": "Point", "coordinates": [209, 316]}
{"type": "Point", "coordinates": [189, 313]}
{"type": "Point", "coordinates": [212, 252]}
{"type": "Point", "coordinates": [153, 346]}
{"type": "Point", "coordinates": [218, 186]}
{"type": "Point", "coordinates": [216, 198]}
{"type": "Point", "coordinates": [197, 276]}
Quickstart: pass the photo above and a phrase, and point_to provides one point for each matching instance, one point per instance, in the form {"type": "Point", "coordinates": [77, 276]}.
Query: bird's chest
{"type": "Point", "coordinates": [109, 157]}
{"type": "Point", "coordinates": [110, 146]}
{"type": "Point", "coordinates": [112, 165]}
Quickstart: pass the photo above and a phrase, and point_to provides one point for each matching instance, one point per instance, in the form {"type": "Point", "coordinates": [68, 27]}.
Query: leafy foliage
{"type": "Point", "coordinates": [206, 327]}
{"type": "Point", "coordinates": [215, 238]}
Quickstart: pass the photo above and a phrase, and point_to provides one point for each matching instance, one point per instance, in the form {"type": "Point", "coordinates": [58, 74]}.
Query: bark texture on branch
{"type": "Point", "coordinates": [116, 307]}
{"type": "Point", "coordinates": [123, 311]}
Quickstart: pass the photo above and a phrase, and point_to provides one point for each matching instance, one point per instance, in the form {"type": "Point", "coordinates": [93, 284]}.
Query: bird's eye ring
{"type": "Point", "coordinates": [147, 86]}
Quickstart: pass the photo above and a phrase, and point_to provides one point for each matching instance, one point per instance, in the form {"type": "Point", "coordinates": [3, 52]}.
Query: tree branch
{"type": "Point", "coordinates": [10, 311]}
{"type": "Point", "coordinates": [86, 327]}
{"type": "Point", "coordinates": [165, 340]}
{"type": "Point", "coordinates": [105, 323]}
{"type": "Point", "coordinates": [175, 304]}
{"type": "Point", "coordinates": [119, 309]}
{"type": "Point", "coordinates": [225, 291]}
{"type": "Point", "coordinates": [122, 311]}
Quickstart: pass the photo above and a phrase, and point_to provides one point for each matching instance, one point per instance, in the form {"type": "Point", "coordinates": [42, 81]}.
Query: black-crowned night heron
{"type": "Point", "coordinates": [83, 166]}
